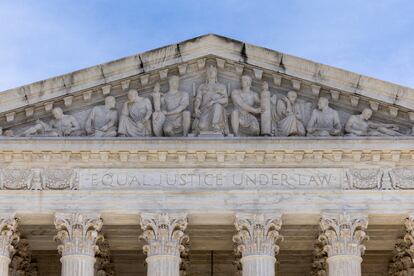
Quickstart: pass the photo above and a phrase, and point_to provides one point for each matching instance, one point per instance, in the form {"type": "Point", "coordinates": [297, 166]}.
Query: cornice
{"type": "Point", "coordinates": [146, 68]}
{"type": "Point", "coordinates": [207, 152]}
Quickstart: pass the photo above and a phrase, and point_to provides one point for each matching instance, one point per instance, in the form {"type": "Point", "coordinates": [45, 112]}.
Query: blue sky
{"type": "Point", "coordinates": [44, 38]}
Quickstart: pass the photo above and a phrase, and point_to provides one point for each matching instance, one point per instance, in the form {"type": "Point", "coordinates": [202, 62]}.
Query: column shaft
{"type": "Point", "coordinates": [4, 265]}
{"type": "Point", "coordinates": [344, 265]}
{"type": "Point", "coordinates": [262, 265]}
{"type": "Point", "coordinates": [163, 265]}
{"type": "Point", "coordinates": [73, 265]}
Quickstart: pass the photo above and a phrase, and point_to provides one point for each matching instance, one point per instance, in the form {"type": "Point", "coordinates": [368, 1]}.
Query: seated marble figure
{"type": "Point", "coordinates": [102, 120]}
{"type": "Point", "coordinates": [324, 120]}
{"type": "Point", "coordinates": [61, 125]}
{"type": "Point", "coordinates": [291, 115]}
{"type": "Point", "coordinates": [209, 106]}
{"type": "Point", "coordinates": [361, 125]}
{"type": "Point", "coordinates": [135, 116]}
{"type": "Point", "coordinates": [171, 116]}
{"type": "Point", "coordinates": [243, 122]}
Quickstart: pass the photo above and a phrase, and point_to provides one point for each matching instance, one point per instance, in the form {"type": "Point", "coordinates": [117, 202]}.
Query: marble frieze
{"type": "Point", "coordinates": [196, 179]}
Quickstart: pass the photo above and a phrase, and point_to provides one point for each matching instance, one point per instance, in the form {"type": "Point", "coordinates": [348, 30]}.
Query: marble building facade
{"type": "Point", "coordinates": [207, 157]}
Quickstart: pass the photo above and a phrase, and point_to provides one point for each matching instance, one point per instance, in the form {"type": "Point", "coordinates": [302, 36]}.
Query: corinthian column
{"type": "Point", "coordinates": [8, 236]}
{"type": "Point", "coordinates": [344, 234]}
{"type": "Point", "coordinates": [256, 240]}
{"type": "Point", "coordinates": [78, 234]}
{"type": "Point", "coordinates": [164, 235]}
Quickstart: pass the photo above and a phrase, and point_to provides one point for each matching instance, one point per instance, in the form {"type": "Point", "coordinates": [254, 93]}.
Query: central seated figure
{"type": "Point", "coordinates": [209, 106]}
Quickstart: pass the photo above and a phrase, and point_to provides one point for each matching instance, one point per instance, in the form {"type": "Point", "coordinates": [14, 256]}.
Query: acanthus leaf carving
{"type": "Point", "coordinates": [319, 263]}
{"type": "Point", "coordinates": [22, 263]}
{"type": "Point", "coordinates": [403, 254]}
{"type": "Point", "coordinates": [8, 234]}
{"type": "Point", "coordinates": [104, 265]}
{"type": "Point", "coordinates": [344, 233]}
{"type": "Point", "coordinates": [257, 234]}
{"type": "Point", "coordinates": [164, 233]}
{"type": "Point", "coordinates": [78, 233]}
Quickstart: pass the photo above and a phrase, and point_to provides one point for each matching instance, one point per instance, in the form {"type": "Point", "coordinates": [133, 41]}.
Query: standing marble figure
{"type": "Point", "coordinates": [209, 105]}
{"type": "Point", "coordinates": [102, 120]}
{"type": "Point", "coordinates": [242, 119]}
{"type": "Point", "coordinates": [171, 116]}
{"type": "Point", "coordinates": [265, 105]}
{"type": "Point", "coordinates": [135, 116]}
{"type": "Point", "coordinates": [324, 120]}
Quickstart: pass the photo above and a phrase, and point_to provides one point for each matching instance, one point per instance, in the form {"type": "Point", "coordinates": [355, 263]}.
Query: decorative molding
{"type": "Point", "coordinates": [374, 178]}
{"type": "Point", "coordinates": [257, 234]}
{"type": "Point", "coordinates": [402, 261]}
{"type": "Point", "coordinates": [343, 233]}
{"type": "Point", "coordinates": [22, 264]}
{"type": "Point", "coordinates": [104, 265]}
{"type": "Point", "coordinates": [185, 259]}
{"type": "Point", "coordinates": [164, 233]}
{"type": "Point", "coordinates": [8, 234]}
{"type": "Point", "coordinates": [78, 233]}
{"type": "Point", "coordinates": [106, 89]}
{"type": "Point", "coordinates": [319, 264]}
{"type": "Point", "coordinates": [39, 179]}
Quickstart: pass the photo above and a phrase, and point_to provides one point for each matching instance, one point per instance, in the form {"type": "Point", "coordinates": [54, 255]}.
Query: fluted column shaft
{"type": "Point", "coordinates": [256, 241]}
{"type": "Point", "coordinates": [78, 234]}
{"type": "Point", "coordinates": [77, 265]}
{"type": "Point", "coordinates": [344, 235]}
{"type": "Point", "coordinates": [163, 265]}
{"type": "Point", "coordinates": [164, 237]}
{"type": "Point", "coordinates": [4, 265]}
{"type": "Point", "coordinates": [344, 265]}
{"type": "Point", "coordinates": [258, 265]}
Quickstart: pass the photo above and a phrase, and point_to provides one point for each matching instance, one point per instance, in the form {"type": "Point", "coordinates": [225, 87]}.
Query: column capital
{"type": "Point", "coordinates": [78, 233]}
{"type": "Point", "coordinates": [344, 233]}
{"type": "Point", "coordinates": [8, 234]}
{"type": "Point", "coordinates": [164, 233]}
{"type": "Point", "coordinates": [257, 234]}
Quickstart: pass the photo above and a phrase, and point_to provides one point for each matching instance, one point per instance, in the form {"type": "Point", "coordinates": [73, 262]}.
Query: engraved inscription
{"type": "Point", "coordinates": [211, 179]}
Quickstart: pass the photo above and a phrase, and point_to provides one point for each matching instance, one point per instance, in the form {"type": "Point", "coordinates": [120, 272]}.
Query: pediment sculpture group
{"type": "Point", "coordinates": [253, 114]}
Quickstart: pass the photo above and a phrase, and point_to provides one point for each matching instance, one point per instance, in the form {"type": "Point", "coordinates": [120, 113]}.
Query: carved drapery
{"type": "Point", "coordinates": [213, 108]}
{"type": "Point", "coordinates": [78, 235]}
{"type": "Point", "coordinates": [164, 236]}
{"type": "Point", "coordinates": [344, 234]}
{"type": "Point", "coordinates": [8, 238]}
{"type": "Point", "coordinates": [257, 240]}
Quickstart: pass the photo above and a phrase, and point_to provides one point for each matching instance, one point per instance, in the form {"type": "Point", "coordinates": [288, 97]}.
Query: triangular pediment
{"type": "Point", "coordinates": [78, 92]}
